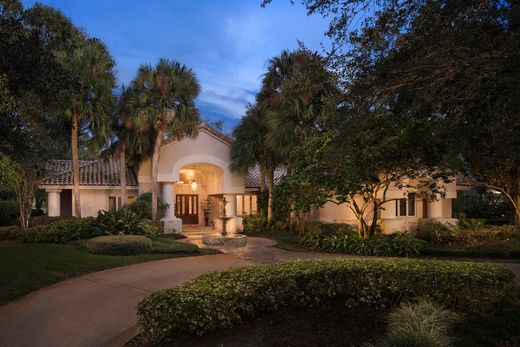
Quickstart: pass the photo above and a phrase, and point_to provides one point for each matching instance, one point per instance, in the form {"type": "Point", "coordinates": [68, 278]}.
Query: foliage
{"type": "Point", "coordinates": [119, 245]}
{"type": "Point", "coordinates": [465, 234]}
{"type": "Point", "coordinates": [422, 324]}
{"type": "Point", "coordinates": [164, 101]}
{"type": "Point", "coordinates": [61, 231]}
{"type": "Point", "coordinates": [222, 300]}
{"type": "Point", "coordinates": [125, 222]}
{"type": "Point", "coordinates": [8, 212]}
{"type": "Point", "coordinates": [142, 206]}
{"type": "Point", "coordinates": [478, 204]}
{"type": "Point", "coordinates": [254, 224]}
{"type": "Point", "coordinates": [9, 232]}
{"type": "Point", "coordinates": [379, 245]}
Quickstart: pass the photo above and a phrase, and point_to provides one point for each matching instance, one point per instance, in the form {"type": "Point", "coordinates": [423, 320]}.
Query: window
{"type": "Point", "coordinates": [405, 207]}
{"type": "Point", "coordinates": [112, 203]}
{"type": "Point", "coordinates": [246, 204]}
{"type": "Point", "coordinates": [130, 199]}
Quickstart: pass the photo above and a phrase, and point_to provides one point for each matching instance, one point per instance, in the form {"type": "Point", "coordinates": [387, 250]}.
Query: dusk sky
{"type": "Point", "coordinates": [226, 42]}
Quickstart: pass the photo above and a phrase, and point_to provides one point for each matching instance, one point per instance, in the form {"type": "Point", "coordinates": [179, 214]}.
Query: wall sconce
{"type": "Point", "coordinates": [194, 185]}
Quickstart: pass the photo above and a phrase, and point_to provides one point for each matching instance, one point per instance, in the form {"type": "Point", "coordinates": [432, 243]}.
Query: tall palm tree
{"type": "Point", "coordinates": [250, 149]}
{"type": "Point", "coordinates": [88, 100]}
{"type": "Point", "coordinates": [165, 102]}
{"type": "Point", "coordinates": [297, 93]}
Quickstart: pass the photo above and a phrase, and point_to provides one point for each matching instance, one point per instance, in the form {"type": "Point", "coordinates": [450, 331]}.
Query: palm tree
{"type": "Point", "coordinates": [164, 100]}
{"type": "Point", "coordinates": [297, 93]}
{"type": "Point", "coordinates": [250, 149]}
{"type": "Point", "coordinates": [88, 100]}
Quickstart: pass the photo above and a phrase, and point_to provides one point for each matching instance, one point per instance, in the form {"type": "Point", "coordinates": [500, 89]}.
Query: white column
{"type": "Point", "coordinates": [167, 195]}
{"type": "Point", "coordinates": [231, 208]}
{"type": "Point", "coordinates": [435, 209]}
{"type": "Point", "coordinates": [53, 202]}
{"type": "Point", "coordinates": [172, 224]}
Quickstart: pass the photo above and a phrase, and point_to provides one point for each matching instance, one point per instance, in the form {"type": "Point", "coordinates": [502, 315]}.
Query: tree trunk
{"type": "Point", "coordinates": [122, 171]}
{"type": "Point", "coordinates": [372, 229]}
{"type": "Point", "coordinates": [155, 166]}
{"type": "Point", "coordinates": [515, 211]}
{"type": "Point", "coordinates": [270, 181]}
{"type": "Point", "coordinates": [75, 164]}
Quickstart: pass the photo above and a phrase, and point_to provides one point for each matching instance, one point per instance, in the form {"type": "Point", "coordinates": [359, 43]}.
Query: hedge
{"type": "Point", "coordinates": [61, 231]}
{"type": "Point", "coordinates": [8, 212]}
{"type": "Point", "coordinates": [221, 300]}
{"type": "Point", "coordinates": [119, 245]}
{"type": "Point", "coordinates": [380, 245]}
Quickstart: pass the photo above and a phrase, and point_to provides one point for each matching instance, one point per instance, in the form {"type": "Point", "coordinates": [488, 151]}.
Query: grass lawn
{"type": "Point", "coordinates": [29, 266]}
{"type": "Point", "coordinates": [284, 239]}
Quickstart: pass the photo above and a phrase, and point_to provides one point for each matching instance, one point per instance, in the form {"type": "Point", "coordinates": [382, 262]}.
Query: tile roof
{"type": "Point", "coordinates": [465, 181]}
{"type": "Point", "coordinates": [253, 179]}
{"type": "Point", "coordinates": [91, 173]}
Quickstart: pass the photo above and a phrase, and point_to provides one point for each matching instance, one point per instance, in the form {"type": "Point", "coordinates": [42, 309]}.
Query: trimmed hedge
{"type": "Point", "coordinates": [221, 300]}
{"type": "Point", "coordinates": [467, 232]}
{"type": "Point", "coordinates": [379, 245]}
{"type": "Point", "coordinates": [8, 212]}
{"type": "Point", "coordinates": [119, 245]}
{"type": "Point", "coordinates": [61, 231]}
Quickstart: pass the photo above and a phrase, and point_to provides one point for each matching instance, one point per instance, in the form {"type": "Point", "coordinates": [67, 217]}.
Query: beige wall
{"type": "Point", "coordinates": [96, 199]}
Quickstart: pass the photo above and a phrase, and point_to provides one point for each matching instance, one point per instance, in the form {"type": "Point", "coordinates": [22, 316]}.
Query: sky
{"type": "Point", "coordinates": [227, 43]}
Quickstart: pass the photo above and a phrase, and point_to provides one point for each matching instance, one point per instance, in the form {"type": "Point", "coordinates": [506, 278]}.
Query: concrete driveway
{"type": "Point", "coordinates": [97, 309]}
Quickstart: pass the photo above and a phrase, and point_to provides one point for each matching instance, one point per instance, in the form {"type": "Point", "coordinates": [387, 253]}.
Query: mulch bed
{"type": "Point", "coordinates": [329, 325]}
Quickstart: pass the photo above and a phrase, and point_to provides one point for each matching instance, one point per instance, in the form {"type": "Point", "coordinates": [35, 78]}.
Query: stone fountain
{"type": "Point", "coordinates": [224, 239]}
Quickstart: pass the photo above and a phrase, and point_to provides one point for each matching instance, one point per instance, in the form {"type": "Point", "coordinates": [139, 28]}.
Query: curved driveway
{"type": "Point", "coordinates": [98, 309]}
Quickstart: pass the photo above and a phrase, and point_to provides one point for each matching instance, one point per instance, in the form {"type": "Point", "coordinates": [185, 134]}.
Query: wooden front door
{"type": "Point", "coordinates": [187, 208]}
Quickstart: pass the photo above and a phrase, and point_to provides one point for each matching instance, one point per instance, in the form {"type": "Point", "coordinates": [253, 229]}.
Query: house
{"type": "Point", "coordinates": [195, 170]}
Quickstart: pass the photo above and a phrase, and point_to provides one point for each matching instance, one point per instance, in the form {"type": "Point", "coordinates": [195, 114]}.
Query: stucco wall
{"type": "Point", "coordinates": [96, 199]}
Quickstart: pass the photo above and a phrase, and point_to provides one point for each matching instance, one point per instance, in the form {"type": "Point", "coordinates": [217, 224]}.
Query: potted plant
{"type": "Point", "coordinates": [205, 206]}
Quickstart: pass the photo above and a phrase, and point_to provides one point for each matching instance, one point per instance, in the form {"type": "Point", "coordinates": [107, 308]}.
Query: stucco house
{"type": "Point", "coordinates": [192, 170]}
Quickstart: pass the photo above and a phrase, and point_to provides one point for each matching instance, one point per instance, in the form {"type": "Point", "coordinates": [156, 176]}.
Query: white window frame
{"type": "Point", "coordinates": [407, 208]}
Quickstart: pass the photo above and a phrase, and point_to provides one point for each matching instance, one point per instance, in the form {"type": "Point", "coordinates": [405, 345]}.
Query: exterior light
{"type": "Point", "coordinates": [194, 185]}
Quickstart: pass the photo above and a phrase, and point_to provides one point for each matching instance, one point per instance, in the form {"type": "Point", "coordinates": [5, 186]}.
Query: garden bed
{"type": "Point", "coordinates": [331, 324]}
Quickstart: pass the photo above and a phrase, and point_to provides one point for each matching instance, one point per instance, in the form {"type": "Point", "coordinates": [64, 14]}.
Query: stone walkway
{"type": "Point", "coordinates": [98, 309]}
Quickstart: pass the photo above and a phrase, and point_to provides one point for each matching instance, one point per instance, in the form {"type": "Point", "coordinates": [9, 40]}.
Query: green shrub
{"type": "Point", "coordinates": [8, 212]}
{"type": "Point", "coordinates": [441, 234]}
{"type": "Point", "coordinates": [221, 300]}
{"type": "Point", "coordinates": [9, 232]}
{"type": "Point", "coordinates": [43, 220]}
{"type": "Point", "coordinates": [125, 222]}
{"type": "Point", "coordinates": [61, 231]}
{"type": "Point", "coordinates": [351, 243]}
{"type": "Point", "coordinates": [142, 206]}
{"type": "Point", "coordinates": [336, 228]}
{"type": "Point", "coordinates": [254, 224]}
{"type": "Point", "coordinates": [471, 223]}
{"type": "Point", "coordinates": [119, 245]}
{"type": "Point", "coordinates": [420, 324]}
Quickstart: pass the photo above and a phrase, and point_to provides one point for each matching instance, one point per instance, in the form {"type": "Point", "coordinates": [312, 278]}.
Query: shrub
{"type": "Point", "coordinates": [471, 223]}
{"type": "Point", "coordinates": [125, 222]}
{"type": "Point", "coordinates": [351, 243]}
{"type": "Point", "coordinates": [8, 212]}
{"type": "Point", "coordinates": [336, 228]}
{"type": "Point", "coordinates": [8, 232]}
{"type": "Point", "coordinates": [254, 224]}
{"type": "Point", "coordinates": [221, 300]}
{"type": "Point", "coordinates": [142, 206]}
{"type": "Point", "coordinates": [61, 231]}
{"type": "Point", "coordinates": [441, 234]}
{"type": "Point", "coordinates": [119, 245]}
{"type": "Point", "coordinates": [43, 220]}
{"type": "Point", "coordinates": [420, 324]}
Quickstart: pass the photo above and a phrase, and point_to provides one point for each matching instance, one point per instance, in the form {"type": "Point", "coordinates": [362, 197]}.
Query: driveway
{"type": "Point", "coordinates": [98, 309]}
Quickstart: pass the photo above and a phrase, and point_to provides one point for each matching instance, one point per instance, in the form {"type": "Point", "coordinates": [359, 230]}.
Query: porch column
{"type": "Point", "coordinates": [53, 202]}
{"type": "Point", "coordinates": [172, 224]}
{"type": "Point", "coordinates": [435, 209]}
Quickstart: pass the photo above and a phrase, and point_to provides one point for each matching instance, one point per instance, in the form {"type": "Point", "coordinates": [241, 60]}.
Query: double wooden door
{"type": "Point", "coordinates": [187, 208]}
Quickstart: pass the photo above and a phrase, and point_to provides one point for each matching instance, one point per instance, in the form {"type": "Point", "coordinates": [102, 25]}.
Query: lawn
{"type": "Point", "coordinates": [29, 266]}
{"type": "Point", "coordinates": [284, 239]}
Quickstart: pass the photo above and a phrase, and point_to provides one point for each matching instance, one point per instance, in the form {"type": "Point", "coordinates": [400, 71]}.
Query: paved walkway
{"type": "Point", "coordinates": [98, 309]}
